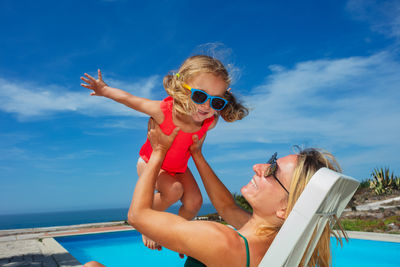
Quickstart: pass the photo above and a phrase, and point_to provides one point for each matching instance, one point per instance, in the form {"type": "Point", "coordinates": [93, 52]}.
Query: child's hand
{"type": "Point", "coordinates": [197, 144]}
{"type": "Point", "coordinates": [158, 140]}
{"type": "Point", "coordinates": [98, 86]}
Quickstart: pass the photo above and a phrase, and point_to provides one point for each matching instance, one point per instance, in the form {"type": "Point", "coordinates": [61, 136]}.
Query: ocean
{"type": "Point", "coordinates": [46, 219]}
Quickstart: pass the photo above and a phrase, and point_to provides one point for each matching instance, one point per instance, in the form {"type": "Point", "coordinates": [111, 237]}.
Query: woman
{"type": "Point", "coordinates": [272, 192]}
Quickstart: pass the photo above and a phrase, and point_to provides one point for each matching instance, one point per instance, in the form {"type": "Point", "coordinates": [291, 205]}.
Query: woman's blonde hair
{"type": "Point", "coordinates": [191, 67]}
{"type": "Point", "coordinates": [309, 161]}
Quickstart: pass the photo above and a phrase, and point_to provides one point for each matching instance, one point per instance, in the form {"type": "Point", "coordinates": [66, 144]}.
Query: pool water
{"type": "Point", "coordinates": [365, 253]}
{"type": "Point", "coordinates": [118, 249]}
{"type": "Point", "coordinates": [126, 249]}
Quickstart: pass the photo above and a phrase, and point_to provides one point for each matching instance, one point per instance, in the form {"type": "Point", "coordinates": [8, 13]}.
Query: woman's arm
{"type": "Point", "coordinates": [204, 241]}
{"type": "Point", "coordinates": [144, 105]}
{"type": "Point", "coordinates": [144, 190]}
{"type": "Point", "coordinates": [219, 195]}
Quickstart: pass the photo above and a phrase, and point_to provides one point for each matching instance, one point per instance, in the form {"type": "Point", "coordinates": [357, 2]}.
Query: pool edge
{"type": "Point", "coordinates": [374, 236]}
{"type": "Point", "coordinates": [50, 246]}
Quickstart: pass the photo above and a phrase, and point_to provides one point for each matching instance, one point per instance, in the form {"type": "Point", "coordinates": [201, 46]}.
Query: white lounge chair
{"type": "Point", "coordinates": [326, 195]}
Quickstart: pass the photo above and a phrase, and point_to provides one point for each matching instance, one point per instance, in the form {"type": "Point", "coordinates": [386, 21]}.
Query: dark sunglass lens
{"type": "Point", "coordinates": [267, 172]}
{"type": "Point", "coordinates": [272, 168]}
{"type": "Point", "coordinates": [273, 158]}
{"type": "Point", "coordinates": [217, 103]}
{"type": "Point", "coordinates": [199, 97]}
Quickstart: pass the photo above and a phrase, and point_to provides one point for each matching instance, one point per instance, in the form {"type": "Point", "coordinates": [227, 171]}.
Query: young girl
{"type": "Point", "coordinates": [198, 95]}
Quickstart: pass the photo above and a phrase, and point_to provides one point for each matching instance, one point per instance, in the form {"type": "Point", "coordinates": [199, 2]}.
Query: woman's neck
{"type": "Point", "coordinates": [259, 243]}
{"type": "Point", "coordinates": [251, 227]}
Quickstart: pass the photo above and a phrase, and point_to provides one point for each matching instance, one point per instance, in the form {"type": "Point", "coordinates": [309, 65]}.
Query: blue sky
{"type": "Point", "coordinates": [314, 73]}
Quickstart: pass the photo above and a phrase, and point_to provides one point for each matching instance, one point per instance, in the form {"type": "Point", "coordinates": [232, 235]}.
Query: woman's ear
{"type": "Point", "coordinates": [281, 213]}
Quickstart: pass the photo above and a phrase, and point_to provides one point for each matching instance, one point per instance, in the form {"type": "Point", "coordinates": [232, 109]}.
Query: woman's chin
{"type": "Point", "coordinates": [247, 191]}
{"type": "Point", "coordinates": [248, 194]}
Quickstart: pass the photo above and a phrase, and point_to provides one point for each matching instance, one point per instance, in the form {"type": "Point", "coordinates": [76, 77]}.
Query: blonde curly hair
{"type": "Point", "coordinates": [191, 67]}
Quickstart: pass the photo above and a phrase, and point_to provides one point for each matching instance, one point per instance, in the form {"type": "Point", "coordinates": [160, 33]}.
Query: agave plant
{"type": "Point", "coordinates": [397, 183]}
{"type": "Point", "coordinates": [383, 181]}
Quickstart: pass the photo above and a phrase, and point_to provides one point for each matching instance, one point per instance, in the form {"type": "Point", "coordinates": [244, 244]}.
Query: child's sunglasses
{"type": "Point", "coordinates": [200, 97]}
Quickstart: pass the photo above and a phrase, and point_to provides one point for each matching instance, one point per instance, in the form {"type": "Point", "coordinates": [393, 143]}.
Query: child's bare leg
{"type": "Point", "coordinates": [169, 191]}
{"type": "Point", "coordinates": [191, 199]}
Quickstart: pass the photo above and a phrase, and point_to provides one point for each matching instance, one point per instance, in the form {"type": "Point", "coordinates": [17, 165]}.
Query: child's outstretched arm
{"type": "Point", "coordinates": [144, 105]}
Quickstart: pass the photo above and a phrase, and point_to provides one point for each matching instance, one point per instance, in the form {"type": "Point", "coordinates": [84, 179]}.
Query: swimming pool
{"type": "Point", "coordinates": [126, 249]}
{"type": "Point", "coordinates": [115, 249]}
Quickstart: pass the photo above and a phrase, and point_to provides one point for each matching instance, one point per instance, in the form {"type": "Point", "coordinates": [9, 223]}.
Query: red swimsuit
{"type": "Point", "coordinates": [178, 155]}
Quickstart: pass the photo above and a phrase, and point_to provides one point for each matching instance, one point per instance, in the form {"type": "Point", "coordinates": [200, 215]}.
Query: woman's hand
{"type": "Point", "coordinates": [195, 148]}
{"type": "Point", "coordinates": [98, 86]}
{"type": "Point", "coordinates": [158, 140]}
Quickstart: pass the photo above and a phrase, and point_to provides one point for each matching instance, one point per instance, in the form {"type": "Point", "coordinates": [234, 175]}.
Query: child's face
{"type": "Point", "coordinates": [212, 85]}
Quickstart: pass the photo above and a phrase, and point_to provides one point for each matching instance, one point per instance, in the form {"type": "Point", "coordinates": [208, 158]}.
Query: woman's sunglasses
{"type": "Point", "coordinates": [272, 169]}
{"type": "Point", "coordinates": [200, 97]}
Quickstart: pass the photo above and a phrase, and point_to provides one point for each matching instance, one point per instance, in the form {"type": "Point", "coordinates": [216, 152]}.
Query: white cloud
{"type": "Point", "coordinates": [348, 106]}
{"type": "Point", "coordinates": [28, 100]}
{"type": "Point", "coordinates": [142, 88]}
{"type": "Point", "coordinates": [124, 124]}
{"type": "Point", "coordinates": [330, 103]}
{"type": "Point", "coordinates": [383, 16]}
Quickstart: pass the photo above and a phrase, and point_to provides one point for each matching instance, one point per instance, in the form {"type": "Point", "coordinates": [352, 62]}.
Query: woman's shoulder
{"type": "Point", "coordinates": [225, 247]}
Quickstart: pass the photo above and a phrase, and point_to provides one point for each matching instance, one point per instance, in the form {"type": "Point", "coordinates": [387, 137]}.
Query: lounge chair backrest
{"type": "Point", "coordinates": [326, 195]}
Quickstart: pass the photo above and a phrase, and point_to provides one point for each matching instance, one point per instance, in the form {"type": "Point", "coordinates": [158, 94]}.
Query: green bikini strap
{"type": "Point", "coordinates": [247, 249]}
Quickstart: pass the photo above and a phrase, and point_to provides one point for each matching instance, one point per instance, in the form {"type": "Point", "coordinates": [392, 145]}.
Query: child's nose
{"type": "Point", "coordinates": [206, 104]}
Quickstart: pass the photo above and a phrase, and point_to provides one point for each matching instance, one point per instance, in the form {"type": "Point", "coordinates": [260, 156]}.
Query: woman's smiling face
{"type": "Point", "coordinates": [265, 194]}
{"type": "Point", "coordinates": [212, 85]}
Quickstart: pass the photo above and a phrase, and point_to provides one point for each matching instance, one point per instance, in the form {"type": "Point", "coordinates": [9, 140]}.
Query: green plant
{"type": "Point", "coordinates": [364, 183]}
{"type": "Point", "coordinates": [370, 225]}
{"type": "Point", "coordinates": [383, 181]}
{"type": "Point", "coordinates": [242, 202]}
{"type": "Point", "coordinates": [397, 183]}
